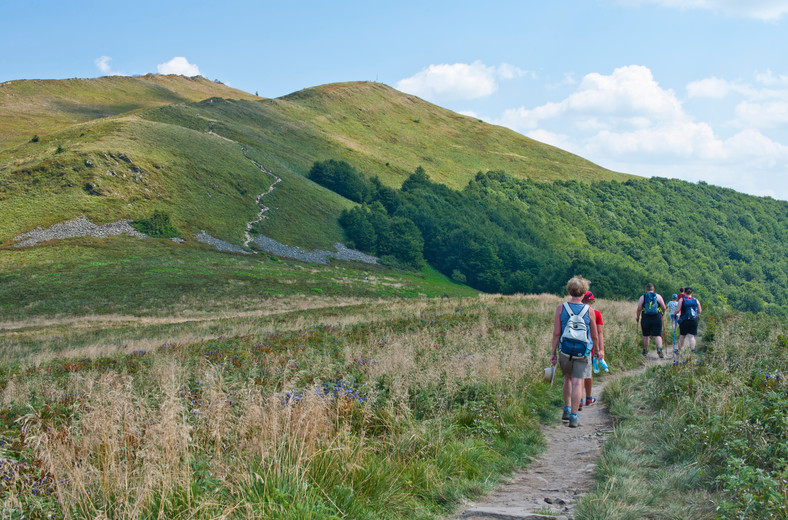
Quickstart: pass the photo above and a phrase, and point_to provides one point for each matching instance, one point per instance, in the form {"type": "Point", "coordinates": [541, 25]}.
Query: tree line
{"type": "Point", "coordinates": [502, 234]}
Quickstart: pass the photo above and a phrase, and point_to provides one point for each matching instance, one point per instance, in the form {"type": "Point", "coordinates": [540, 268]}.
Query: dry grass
{"type": "Point", "coordinates": [130, 442]}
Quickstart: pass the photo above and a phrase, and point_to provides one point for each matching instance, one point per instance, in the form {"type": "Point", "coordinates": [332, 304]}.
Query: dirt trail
{"type": "Point", "coordinates": [561, 474]}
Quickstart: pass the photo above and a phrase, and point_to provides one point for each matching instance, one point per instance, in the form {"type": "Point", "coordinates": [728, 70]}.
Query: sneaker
{"type": "Point", "coordinates": [573, 422]}
{"type": "Point", "coordinates": [604, 365]}
{"type": "Point", "coordinates": [580, 406]}
{"type": "Point", "coordinates": [693, 350]}
{"type": "Point", "coordinates": [590, 401]}
{"type": "Point", "coordinates": [565, 417]}
{"type": "Point", "coordinates": [659, 353]}
{"type": "Point", "coordinates": [595, 362]}
{"type": "Point", "coordinates": [645, 352]}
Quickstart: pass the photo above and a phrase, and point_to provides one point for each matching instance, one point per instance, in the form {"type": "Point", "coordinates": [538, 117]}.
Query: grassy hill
{"type": "Point", "coordinates": [192, 158]}
{"type": "Point", "coordinates": [29, 107]}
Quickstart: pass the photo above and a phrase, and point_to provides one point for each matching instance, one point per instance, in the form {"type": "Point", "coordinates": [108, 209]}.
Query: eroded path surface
{"type": "Point", "coordinates": [552, 484]}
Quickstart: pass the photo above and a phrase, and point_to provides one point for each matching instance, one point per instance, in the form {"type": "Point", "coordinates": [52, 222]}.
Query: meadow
{"type": "Point", "coordinates": [704, 437]}
{"type": "Point", "coordinates": [395, 408]}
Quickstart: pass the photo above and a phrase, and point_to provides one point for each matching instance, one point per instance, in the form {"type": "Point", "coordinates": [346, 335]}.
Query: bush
{"type": "Point", "coordinates": [157, 226]}
{"type": "Point", "coordinates": [340, 177]}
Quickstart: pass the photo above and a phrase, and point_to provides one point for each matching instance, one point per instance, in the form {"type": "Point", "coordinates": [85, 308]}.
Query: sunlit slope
{"type": "Point", "coordinates": [192, 159]}
{"type": "Point", "coordinates": [125, 168]}
{"type": "Point", "coordinates": [30, 107]}
{"type": "Point", "coordinates": [390, 133]}
{"type": "Point", "coordinates": [384, 132]}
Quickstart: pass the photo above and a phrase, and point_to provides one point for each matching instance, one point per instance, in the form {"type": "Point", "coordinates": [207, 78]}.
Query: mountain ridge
{"type": "Point", "coordinates": [170, 127]}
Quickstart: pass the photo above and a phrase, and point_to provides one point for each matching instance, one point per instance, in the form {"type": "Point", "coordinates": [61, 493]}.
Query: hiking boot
{"type": "Point", "coordinates": [565, 416]}
{"type": "Point", "coordinates": [573, 421]}
{"type": "Point", "coordinates": [590, 401]}
{"type": "Point", "coordinates": [645, 352]}
{"type": "Point", "coordinates": [660, 354]}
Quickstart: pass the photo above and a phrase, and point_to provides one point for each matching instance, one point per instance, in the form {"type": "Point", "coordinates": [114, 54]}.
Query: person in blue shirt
{"type": "Point", "coordinates": [575, 366]}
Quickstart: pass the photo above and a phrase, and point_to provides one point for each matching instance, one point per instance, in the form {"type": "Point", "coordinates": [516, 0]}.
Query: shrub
{"type": "Point", "coordinates": [157, 226]}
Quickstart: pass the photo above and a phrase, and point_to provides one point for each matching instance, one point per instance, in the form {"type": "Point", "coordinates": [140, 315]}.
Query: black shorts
{"type": "Point", "coordinates": [651, 324]}
{"type": "Point", "coordinates": [688, 327]}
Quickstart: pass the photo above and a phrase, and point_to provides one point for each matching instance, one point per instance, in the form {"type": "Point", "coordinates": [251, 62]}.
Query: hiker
{"type": "Point", "coordinates": [651, 306]}
{"type": "Point", "coordinates": [672, 304]}
{"type": "Point", "coordinates": [680, 296]}
{"type": "Point", "coordinates": [674, 318]}
{"type": "Point", "coordinates": [689, 310]}
{"type": "Point", "coordinates": [576, 333]}
{"type": "Point", "coordinates": [598, 352]}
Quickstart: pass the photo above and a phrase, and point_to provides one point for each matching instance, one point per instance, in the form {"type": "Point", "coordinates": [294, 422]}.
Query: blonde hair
{"type": "Point", "coordinates": [577, 286]}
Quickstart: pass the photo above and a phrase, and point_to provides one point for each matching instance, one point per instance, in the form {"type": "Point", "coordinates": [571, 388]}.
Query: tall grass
{"type": "Point", "coordinates": [393, 410]}
{"type": "Point", "coordinates": [704, 437]}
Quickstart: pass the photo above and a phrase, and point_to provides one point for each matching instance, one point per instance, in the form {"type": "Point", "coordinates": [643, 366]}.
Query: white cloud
{"type": "Point", "coordinates": [762, 115]}
{"type": "Point", "coordinates": [458, 81]}
{"type": "Point", "coordinates": [675, 141]}
{"type": "Point", "coordinates": [769, 79]}
{"type": "Point", "coordinates": [709, 88]}
{"type": "Point", "coordinates": [561, 141]}
{"type": "Point", "coordinates": [766, 10]}
{"type": "Point", "coordinates": [568, 81]}
{"type": "Point", "coordinates": [628, 97]}
{"type": "Point", "coordinates": [755, 150]}
{"type": "Point", "coordinates": [178, 65]}
{"type": "Point", "coordinates": [469, 113]}
{"type": "Point", "coordinates": [627, 122]}
{"type": "Point", "coordinates": [506, 71]}
{"type": "Point", "coordinates": [103, 65]}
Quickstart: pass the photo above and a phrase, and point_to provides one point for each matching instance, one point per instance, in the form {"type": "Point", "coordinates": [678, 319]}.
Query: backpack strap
{"type": "Point", "coordinates": [582, 313]}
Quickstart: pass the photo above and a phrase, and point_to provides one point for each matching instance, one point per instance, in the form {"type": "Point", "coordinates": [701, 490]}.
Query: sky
{"type": "Point", "coordinates": [689, 89]}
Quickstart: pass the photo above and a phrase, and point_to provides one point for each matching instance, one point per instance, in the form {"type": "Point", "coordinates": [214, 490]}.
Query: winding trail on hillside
{"type": "Point", "coordinates": [269, 245]}
{"type": "Point", "coordinates": [560, 475]}
{"type": "Point", "coordinates": [263, 207]}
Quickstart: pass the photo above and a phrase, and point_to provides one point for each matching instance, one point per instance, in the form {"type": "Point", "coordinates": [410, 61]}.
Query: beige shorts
{"type": "Point", "coordinates": [579, 368]}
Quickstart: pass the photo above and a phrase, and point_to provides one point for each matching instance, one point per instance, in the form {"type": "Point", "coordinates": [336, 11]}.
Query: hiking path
{"type": "Point", "coordinates": [553, 482]}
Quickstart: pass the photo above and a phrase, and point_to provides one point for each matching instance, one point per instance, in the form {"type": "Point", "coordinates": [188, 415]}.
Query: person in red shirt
{"type": "Point", "coordinates": [598, 352]}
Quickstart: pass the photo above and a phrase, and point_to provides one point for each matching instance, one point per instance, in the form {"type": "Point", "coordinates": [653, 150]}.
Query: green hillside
{"type": "Point", "coordinates": [29, 107]}
{"type": "Point", "coordinates": [541, 216]}
{"type": "Point", "coordinates": [501, 234]}
{"type": "Point", "coordinates": [194, 159]}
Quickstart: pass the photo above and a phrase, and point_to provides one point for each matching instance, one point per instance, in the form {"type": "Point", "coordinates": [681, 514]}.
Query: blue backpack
{"type": "Point", "coordinates": [650, 303]}
{"type": "Point", "coordinates": [689, 309]}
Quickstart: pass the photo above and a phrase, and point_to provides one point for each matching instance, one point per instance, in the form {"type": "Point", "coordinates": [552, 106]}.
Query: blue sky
{"type": "Point", "coordinates": [693, 89]}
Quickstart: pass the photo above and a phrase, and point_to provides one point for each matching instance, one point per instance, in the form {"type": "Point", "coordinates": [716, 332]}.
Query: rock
{"type": "Point", "coordinates": [80, 227]}
{"type": "Point", "coordinates": [221, 245]}
{"type": "Point", "coordinates": [318, 256]}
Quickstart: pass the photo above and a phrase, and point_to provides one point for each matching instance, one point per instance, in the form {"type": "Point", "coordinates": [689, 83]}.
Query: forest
{"type": "Point", "coordinates": [501, 234]}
